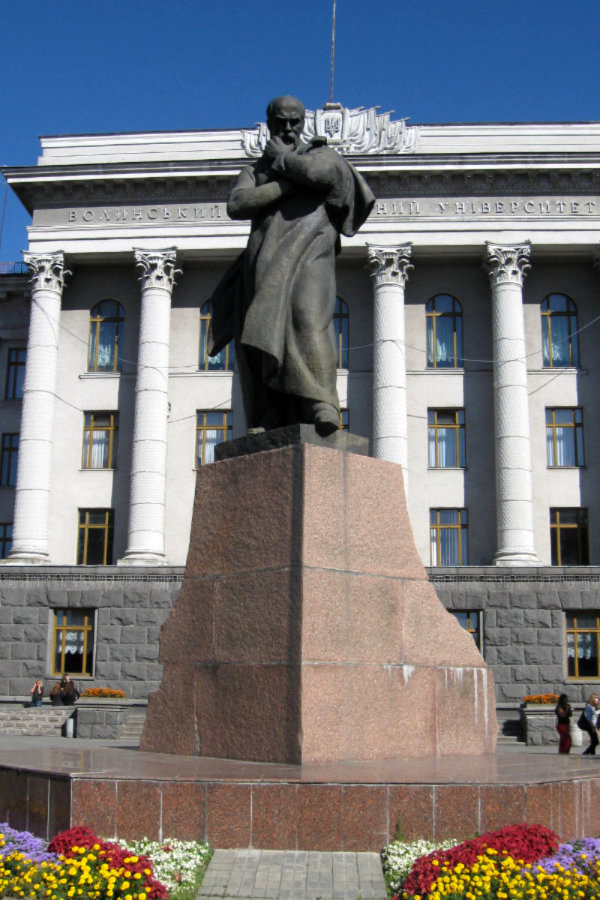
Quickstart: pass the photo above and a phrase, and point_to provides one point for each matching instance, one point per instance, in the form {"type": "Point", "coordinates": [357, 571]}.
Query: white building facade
{"type": "Point", "coordinates": [467, 324]}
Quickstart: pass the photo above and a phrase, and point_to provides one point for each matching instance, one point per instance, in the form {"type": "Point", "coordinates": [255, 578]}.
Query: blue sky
{"type": "Point", "coordinates": [72, 67]}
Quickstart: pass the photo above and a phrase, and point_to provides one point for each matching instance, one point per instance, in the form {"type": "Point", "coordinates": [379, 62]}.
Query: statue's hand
{"type": "Point", "coordinates": [275, 146]}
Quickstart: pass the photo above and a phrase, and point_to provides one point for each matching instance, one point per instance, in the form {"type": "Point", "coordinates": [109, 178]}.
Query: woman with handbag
{"type": "Point", "coordinates": [589, 718]}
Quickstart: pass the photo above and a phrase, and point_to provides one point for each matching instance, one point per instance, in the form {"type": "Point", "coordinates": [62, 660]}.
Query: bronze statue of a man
{"type": "Point", "coordinates": [277, 300]}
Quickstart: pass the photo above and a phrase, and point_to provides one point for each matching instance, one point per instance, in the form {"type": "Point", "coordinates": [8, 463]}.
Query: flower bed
{"type": "Point", "coordinates": [524, 862]}
{"type": "Point", "coordinates": [78, 864]}
{"type": "Point", "coordinates": [108, 693]}
{"type": "Point", "coordinates": [541, 698]}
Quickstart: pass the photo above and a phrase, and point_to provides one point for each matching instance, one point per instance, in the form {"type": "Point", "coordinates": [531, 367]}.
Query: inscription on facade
{"type": "Point", "coordinates": [388, 209]}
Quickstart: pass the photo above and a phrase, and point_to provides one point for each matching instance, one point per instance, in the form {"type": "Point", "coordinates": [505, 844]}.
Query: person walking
{"type": "Point", "coordinates": [563, 712]}
{"type": "Point", "coordinates": [591, 714]}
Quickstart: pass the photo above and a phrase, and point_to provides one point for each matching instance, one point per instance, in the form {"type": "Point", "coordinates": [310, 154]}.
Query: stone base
{"type": "Point", "coordinates": [306, 629]}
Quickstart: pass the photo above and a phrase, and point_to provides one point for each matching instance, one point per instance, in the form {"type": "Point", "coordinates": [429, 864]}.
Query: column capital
{"type": "Point", "coordinates": [47, 270]}
{"type": "Point", "coordinates": [157, 268]}
{"type": "Point", "coordinates": [390, 265]}
{"type": "Point", "coordinates": [507, 263]}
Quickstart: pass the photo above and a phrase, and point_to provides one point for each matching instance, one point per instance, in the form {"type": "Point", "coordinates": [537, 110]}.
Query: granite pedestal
{"type": "Point", "coordinates": [306, 630]}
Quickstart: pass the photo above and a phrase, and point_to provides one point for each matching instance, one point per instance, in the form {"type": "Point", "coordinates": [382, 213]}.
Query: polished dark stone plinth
{"type": "Point", "coordinates": [47, 784]}
{"type": "Point", "coordinates": [290, 437]}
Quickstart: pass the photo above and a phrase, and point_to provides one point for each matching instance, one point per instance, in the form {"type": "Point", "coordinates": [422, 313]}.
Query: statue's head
{"type": "Point", "coordinates": [285, 118]}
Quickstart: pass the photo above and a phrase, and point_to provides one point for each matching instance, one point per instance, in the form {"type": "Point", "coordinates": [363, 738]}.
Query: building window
{"type": "Point", "coordinates": [341, 325]}
{"type": "Point", "coordinates": [223, 361]}
{"type": "Point", "coordinates": [560, 345]}
{"type": "Point", "coordinates": [100, 431]}
{"type": "Point", "coordinates": [564, 437]}
{"type": "Point", "coordinates": [6, 538]}
{"type": "Point", "coordinates": [470, 620]}
{"type": "Point", "coordinates": [446, 431]}
{"type": "Point", "coordinates": [583, 637]}
{"type": "Point", "coordinates": [212, 427]}
{"type": "Point", "coordinates": [569, 537]}
{"type": "Point", "coordinates": [106, 337]}
{"type": "Point", "coordinates": [344, 420]}
{"type": "Point", "coordinates": [444, 332]}
{"type": "Point", "coordinates": [449, 537]}
{"type": "Point", "coordinates": [73, 642]}
{"type": "Point", "coordinates": [8, 460]}
{"type": "Point", "coordinates": [15, 373]}
{"type": "Point", "coordinates": [95, 537]}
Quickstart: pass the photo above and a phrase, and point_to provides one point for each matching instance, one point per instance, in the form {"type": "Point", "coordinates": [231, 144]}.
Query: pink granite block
{"type": "Point", "coordinates": [569, 810]}
{"type": "Point", "coordinates": [94, 803]}
{"type": "Point", "coordinates": [319, 817]}
{"type": "Point", "coordinates": [460, 692]}
{"type": "Point", "coordinates": [540, 804]}
{"type": "Point", "coordinates": [170, 725]}
{"type": "Point", "coordinates": [241, 517]}
{"type": "Point", "coordinates": [257, 618]}
{"type": "Point", "coordinates": [430, 634]}
{"type": "Point", "coordinates": [347, 617]}
{"type": "Point", "coordinates": [364, 817]}
{"type": "Point", "coordinates": [590, 811]}
{"type": "Point", "coordinates": [410, 812]}
{"type": "Point", "coordinates": [456, 812]}
{"type": "Point", "coordinates": [274, 816]}
{"type": "Point", "coordinates": [183, 810]}
{"type": "Point", "coordinates": [138, 810]}
{"type": "Point", "coordinates": [344, 496]}
{"type": "Point", "coordinates": [501, 805]}
{"type": "Point", "coordinates": [248, 712]}
{"type": "Point", "coordinates": [361, 712]}
{"type": "Point", "coordinates": [188, 632]}
{"type": "Point", "coordinates": [228, 815]}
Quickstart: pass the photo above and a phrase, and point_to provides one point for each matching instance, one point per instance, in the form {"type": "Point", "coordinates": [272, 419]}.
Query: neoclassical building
{"type": "Point", "coordinates": [467, 326]}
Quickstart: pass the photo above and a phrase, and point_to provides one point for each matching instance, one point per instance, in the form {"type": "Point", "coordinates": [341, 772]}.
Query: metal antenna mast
{"type": "Point", "coordinates": [332, 52]}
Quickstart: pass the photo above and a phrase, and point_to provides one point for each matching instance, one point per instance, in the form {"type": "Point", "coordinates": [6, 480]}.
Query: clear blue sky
{"type": "Point", "coordinates": [71, 67]}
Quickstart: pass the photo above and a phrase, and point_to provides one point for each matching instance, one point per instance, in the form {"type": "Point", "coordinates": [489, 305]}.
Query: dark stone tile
{"type": "Point", "coordinates": [364, 817]}
{"type": "Point", "coordinates": [500, 806]}
{"type": "Point", "coordinates": [319, 817]}
{"type": "Point", "coordinates": [274, 816]}
{"type": "Point", "coordinates": [456, 812]}
{"type": "Point", "coordinates": [59, 810]}
{"type": "Point", "coordinates": [228, 815]}
{"type": "Point", "coordinates": [183, 811]}
{"type": "Point", "coordinates": [138, 810]}
{"type": "Point", "coordinates": [410, 812]}
{"type": "Point", "coordinates": [16, 799]}
{"type": "Point", "coordinates": [94, 803]}
{"type": "Point", "coordinates": [37, 805]}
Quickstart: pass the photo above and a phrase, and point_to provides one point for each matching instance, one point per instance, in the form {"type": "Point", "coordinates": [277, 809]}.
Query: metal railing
{"type": "Point", "coordinates": [13, 268]}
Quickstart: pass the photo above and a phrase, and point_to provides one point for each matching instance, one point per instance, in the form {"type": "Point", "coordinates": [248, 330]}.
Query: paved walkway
{"type": "Point", "coordinates": [293, 875]}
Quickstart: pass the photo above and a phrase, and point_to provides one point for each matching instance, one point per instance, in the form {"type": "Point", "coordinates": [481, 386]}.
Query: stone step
{"type": "Point", "coordinates": [34, 720]}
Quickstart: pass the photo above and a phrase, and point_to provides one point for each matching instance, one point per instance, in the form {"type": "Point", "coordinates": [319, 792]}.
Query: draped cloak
{"type": "Point", "coordinates": [279, 296]}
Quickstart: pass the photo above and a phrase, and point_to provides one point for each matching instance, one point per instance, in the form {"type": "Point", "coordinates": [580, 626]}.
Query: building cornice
{"type": "Point", "coordinates": [40, 188]}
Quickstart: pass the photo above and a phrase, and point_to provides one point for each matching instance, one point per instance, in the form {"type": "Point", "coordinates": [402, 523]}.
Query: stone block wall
{"type": "Point", "coordinates": [131, 607]}
{"type": "Point", "coordinates": [524, 623]}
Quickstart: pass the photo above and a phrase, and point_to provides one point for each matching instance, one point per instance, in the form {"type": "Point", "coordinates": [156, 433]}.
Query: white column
{"type": "Point", "coordinates": [389, 269]}
{"type": "Point", "coordinates": [507, 267]}
{"type": "Point", "coordinates": [146, 539]}
{"type": "Point", "coordinates": [30, 525]}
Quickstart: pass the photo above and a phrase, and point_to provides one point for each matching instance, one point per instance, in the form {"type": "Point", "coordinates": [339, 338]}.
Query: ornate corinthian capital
{"type": "Point", "coordinates": [157, 268]}
{"type": "Point", "coordinates": [390, 265]}
{"type": "Point", "coordinates": [506, 263]}
{"type": "Point", "coordinates": [47, 271]}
